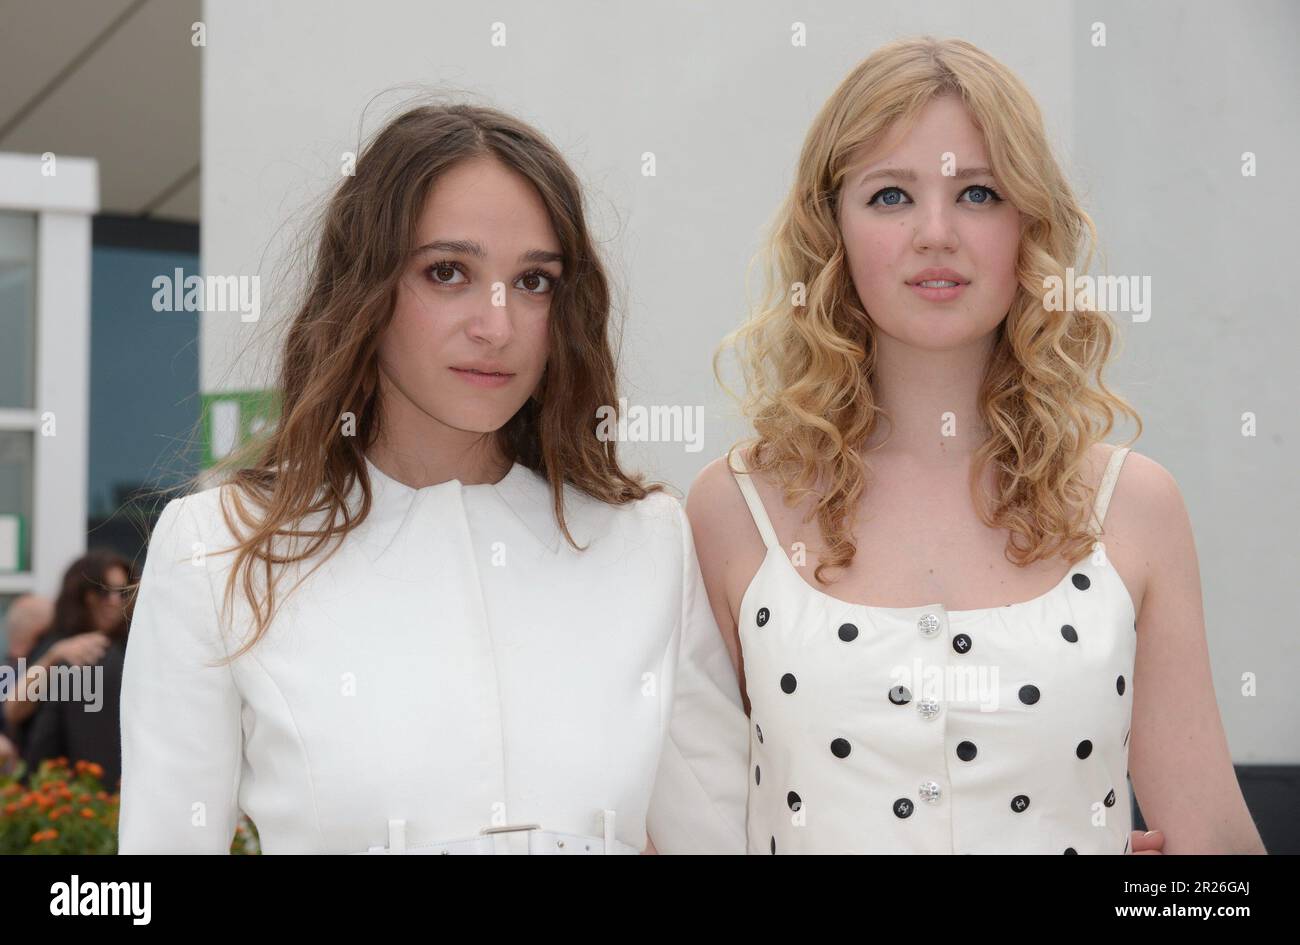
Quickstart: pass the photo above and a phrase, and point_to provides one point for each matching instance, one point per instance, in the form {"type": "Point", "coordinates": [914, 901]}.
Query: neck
{"type": "Point", "coordinates": [418, 450]}
{"type": "Point", "coordinates": [931, 400]}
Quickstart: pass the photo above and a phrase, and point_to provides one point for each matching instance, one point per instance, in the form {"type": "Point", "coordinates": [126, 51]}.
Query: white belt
{"type": "Point", "coordinates": [515, 838]}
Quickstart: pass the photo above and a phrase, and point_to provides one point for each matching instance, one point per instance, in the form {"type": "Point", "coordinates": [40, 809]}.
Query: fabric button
{"type": "Point", "coordinates": [848, 632]}
{"type": "Point", "coordinates": [930, 792]}
{"type": "Point", "coordinates": [929, 708]}
{"type": "Point", "coordinates": [961, 643]}
{"type": "Point", "coordinates": [1020, 803]}
{"type": "Point", "coordinates": [928, 625]}
{"type": "Point", "coordinates": [903, 808]}
{"type": "Point", "coordinates": [762, 616]}
{"type": "Point", "coordinates": [967, 751]}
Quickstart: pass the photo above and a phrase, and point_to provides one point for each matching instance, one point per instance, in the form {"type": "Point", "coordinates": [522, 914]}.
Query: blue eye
{"type": "Point", "coordinates": [993, 195]}
{"type": "Point", "coordinates": [891, 191]}
{"type": "Point", "coordinates": [896, 196]}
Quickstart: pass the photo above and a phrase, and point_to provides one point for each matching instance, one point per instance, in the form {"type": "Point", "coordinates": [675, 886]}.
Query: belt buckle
{"type": "Point", "coordinates": [511, 838]}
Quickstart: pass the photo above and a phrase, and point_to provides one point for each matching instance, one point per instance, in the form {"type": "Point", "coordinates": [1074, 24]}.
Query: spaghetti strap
{"type": "Point", "coordinates": [1107, 487]}
{"type": "Point", "coordinates": [755, 504]}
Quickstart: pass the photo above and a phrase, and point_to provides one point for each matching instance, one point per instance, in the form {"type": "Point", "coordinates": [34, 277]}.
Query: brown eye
{"type": "Point", "coordinates": [444, 273]}
{"type": "Point", "coordinates": [538, 283]}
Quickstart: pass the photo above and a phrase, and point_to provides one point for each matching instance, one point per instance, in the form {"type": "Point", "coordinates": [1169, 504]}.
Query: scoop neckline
{"type": "Point", "coordinates": [382, 476]}
{"type": "Point", "coordinates": [933, 606]}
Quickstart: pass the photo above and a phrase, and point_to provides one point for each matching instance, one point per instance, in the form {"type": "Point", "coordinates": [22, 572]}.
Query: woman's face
{"type": "Point", "coordinates": [106, 604]}
{"type": "Point", "coordinates": [475, 296]}
{"type": "Point", "coordinates": [900, 215]}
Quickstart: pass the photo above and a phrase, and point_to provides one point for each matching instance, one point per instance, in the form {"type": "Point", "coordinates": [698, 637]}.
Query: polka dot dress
{"type": "Point", "coordinates": [928, 730]}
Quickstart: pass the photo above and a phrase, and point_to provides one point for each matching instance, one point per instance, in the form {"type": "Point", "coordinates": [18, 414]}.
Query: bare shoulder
{"type": "Point", "coordinates": [1146, 497]}
{"type": "Point", "coordinates": [715, 504]}
{"type": "Point", "coordinates": [726, 538]}
{"type": "Point", "coordinates": [1146, 528]}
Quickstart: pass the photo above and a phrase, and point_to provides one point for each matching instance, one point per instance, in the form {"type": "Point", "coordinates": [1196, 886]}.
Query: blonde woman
{"type": "Point", "coordinates": [962, 617]}
{"type": "Point", "coordinates": [431, 613]}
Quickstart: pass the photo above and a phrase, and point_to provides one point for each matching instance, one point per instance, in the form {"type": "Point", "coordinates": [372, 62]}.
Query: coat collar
{"type": "Point", "coordinates": [527, 495]}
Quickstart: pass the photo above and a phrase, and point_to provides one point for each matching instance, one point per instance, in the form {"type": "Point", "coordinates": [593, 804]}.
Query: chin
{"type": "Point", "coordinates": [476, 421]}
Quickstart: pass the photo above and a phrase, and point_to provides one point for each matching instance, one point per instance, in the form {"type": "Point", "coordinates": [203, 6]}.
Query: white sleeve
{"type": "Point", "coordinates": [181, 734]}
{"type": "Point", "coordinates": [700, 792]}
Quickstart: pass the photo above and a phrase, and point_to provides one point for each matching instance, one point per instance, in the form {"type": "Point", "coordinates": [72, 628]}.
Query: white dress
{"type": "Point", "coordinates": [928, 730]}
{"type": "Point", "coordinates": [456, 678]}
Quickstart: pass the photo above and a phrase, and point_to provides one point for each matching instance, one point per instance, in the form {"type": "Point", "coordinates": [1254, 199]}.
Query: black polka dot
{"type": "Point", "coordinates": [961, 643]}
{"type": "Point", "coordinates": [1110, 799]}
{"type": "Point", "coordinates": [788, 683]}
{"type": "Point", "coordinates": [793, 800]}
{"type": "Point", "coordinates": [762, 616]}
{"type": "Point", "coordinates": [1070, 634]}
{"type": "Point", "coordinates": [966, 751]}
{"type": "Point", "coordinates": [900, 695]}
{"type": "Point", "coordinates": [840, 748]}
{"type": "Point", "coordinates": [758, 728]}
{"type": "Point", "coordinates": [848, 632]}
{"type": "Point", "coordinates": [774, 846]}
{"type": "Point", "coordinates": [1029, 694]}
{"type": "Point", "coordinates": [1071, 851]}
{"type": "Point", "coordinates": [1119, 684]}
{"type": "Point", "coordinates": [1020, 803]}
{"type": "Point", "coordinates": [1081, 582]}
{"type": "Point", "coordinates": [758, 775]}
{"type": "Point", "coordinates": [1084, 749]}
{"type": "Point", "coordinates": [903, 808]}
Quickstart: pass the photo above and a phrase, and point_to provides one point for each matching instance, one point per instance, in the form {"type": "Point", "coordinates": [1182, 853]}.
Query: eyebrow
{"type": "Point", "coordinates": [910, 175]}
{"type": "Point", "coordinates": [471, 248]}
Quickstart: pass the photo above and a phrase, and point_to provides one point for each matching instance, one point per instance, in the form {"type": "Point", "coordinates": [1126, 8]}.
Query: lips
{"type": "Point", "coordinates": [489, 370]}
{"type": "Point", "coordinates": [935, 278]}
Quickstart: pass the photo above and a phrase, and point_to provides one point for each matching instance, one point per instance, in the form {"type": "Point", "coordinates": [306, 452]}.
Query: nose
{"type": "Point", "coordinates": [935, 230]}
{"type": "Point", "coordinates": [490, 323]}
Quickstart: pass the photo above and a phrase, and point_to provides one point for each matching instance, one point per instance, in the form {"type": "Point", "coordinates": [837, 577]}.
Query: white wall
{"type": "Point", "coordinates": [1151, 128]}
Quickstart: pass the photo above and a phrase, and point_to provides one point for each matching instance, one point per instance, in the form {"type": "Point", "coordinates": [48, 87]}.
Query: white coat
{"type": "Point", "coordinates": [455, 678]}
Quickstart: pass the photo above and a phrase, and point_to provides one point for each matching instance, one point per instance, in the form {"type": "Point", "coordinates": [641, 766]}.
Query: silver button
{"type": "Point", "coordinates": [928, 625]}
{"type": "Point", "coordinates": [929, 708]}
{"type": "Point", "coordinates": [930, 791]}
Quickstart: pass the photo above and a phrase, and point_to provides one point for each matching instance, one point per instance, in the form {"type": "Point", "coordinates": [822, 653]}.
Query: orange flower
{"type": "Point", "coordinates": [11, 808]}
{"type": "Point", "coordinates": [101, 795]}
{"type": "Point", "coordinates": [42, 835]}
{"type": "Point", "coordinates": [94, 768]}
{"type": "Point", "coordinates": [87, 813]}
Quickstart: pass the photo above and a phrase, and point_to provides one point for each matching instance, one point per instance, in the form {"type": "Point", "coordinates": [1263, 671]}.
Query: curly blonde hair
{"type": "Point", "coordinates": [808, 363]}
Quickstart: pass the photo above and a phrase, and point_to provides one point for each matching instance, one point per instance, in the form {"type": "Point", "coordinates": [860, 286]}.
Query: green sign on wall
{"type": "Point", "coordinates": [231, 417]}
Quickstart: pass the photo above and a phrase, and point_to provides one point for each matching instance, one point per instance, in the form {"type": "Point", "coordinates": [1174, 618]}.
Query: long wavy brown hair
{"type": "Point", "coordinates": [293, 481]}
{"type": "Point", "coordinates": [808, 367]}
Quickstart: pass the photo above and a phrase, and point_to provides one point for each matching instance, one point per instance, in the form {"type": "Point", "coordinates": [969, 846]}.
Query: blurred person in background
{"type": "Point", "coordinates": [89, 629]}
{"type": "Point", "coordinates": [29, 617]}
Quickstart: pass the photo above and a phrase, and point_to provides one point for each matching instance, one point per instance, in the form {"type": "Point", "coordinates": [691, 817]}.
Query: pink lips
{"type": "Point", "coordinates": [483, 380]}
{"type": "Point", "coordinates": [937, 294]}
